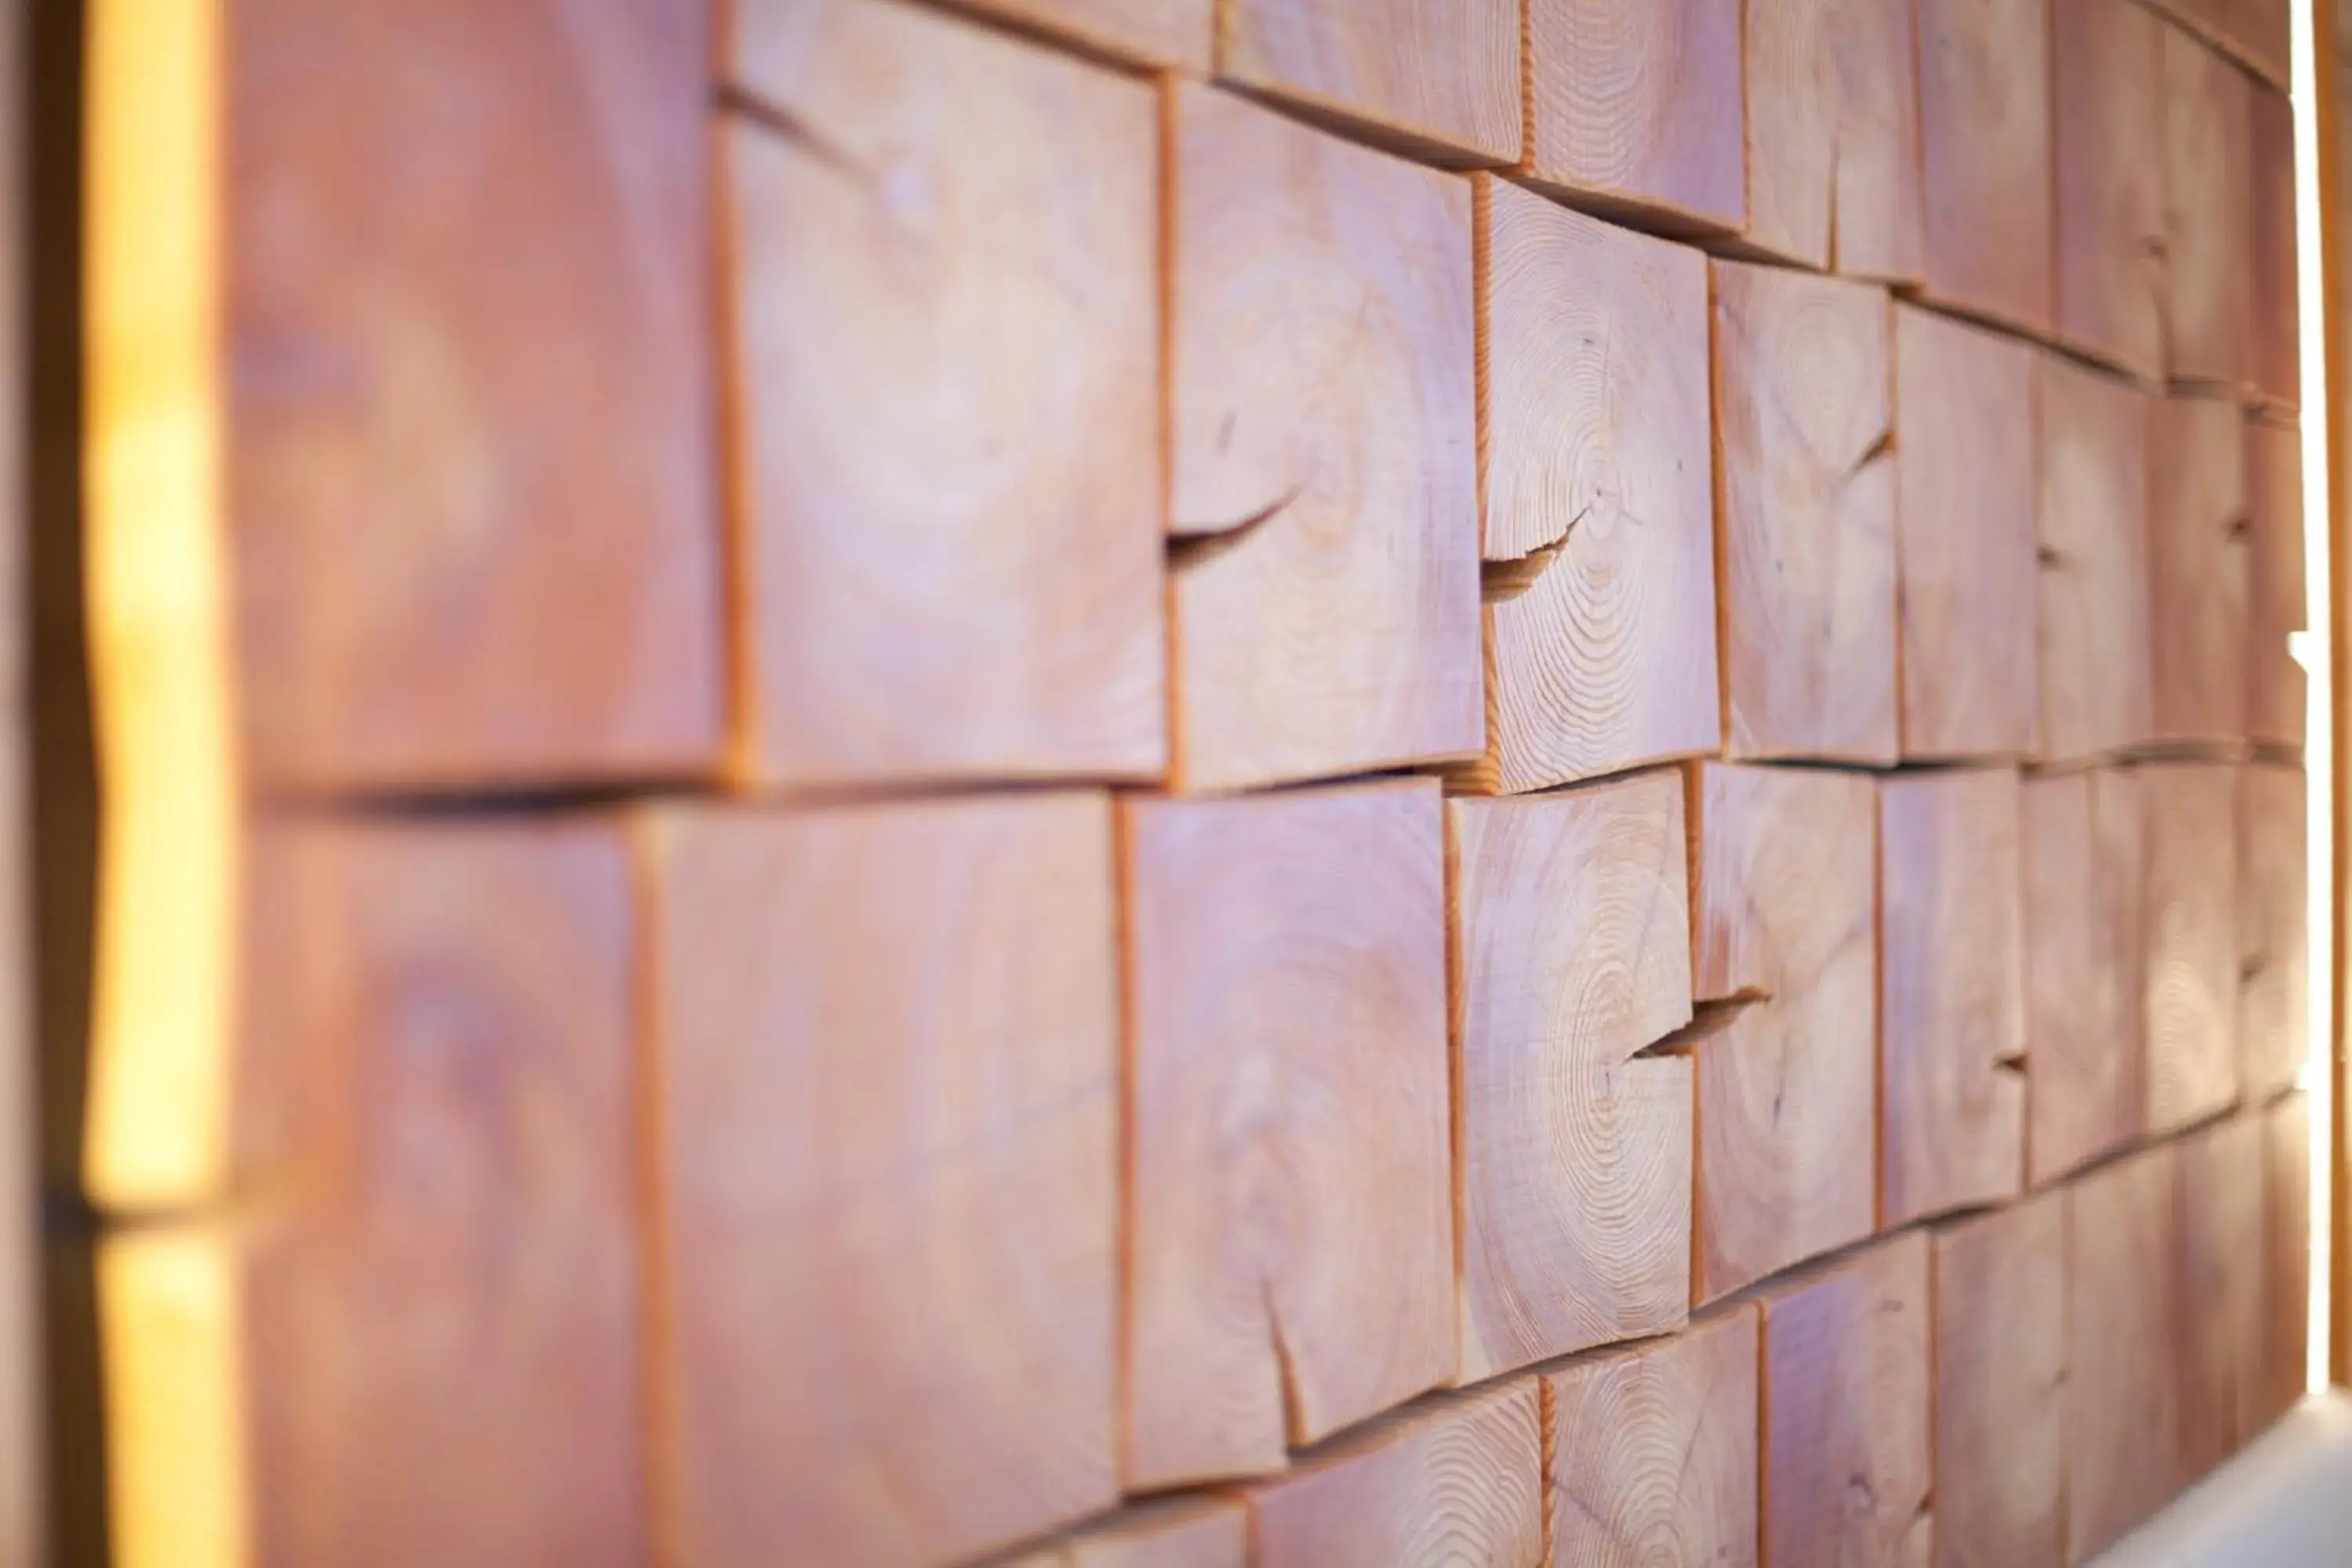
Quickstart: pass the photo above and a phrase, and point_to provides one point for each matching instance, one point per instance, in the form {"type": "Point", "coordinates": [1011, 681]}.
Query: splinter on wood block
{"type": "Point", "coordinates": [2190, 816]}
{"type": "Point", "coordinates": [2001, 1386]}
{"type": "Point", "coordinates": [1438, 79]}
{"type": "Point", "coordinates": [2107, 118]}
{"type": "Point", "coordinates": [1985, 147]}
{"type": "Point", "coordinates": [2200, 547]}
{"type": "Point", "coordinates": [2096, 649]}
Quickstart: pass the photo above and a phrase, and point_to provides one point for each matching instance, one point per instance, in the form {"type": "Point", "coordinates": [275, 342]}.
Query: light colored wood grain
{"type": "Point", "coordinates": [2121, 1392]}
{"type": "Point", "coordinates": [1986, 152]}
{"type": "Point", "coordinates": [2209, 209]}
{"type": "Point", "coordinates": [179, 1484]}
{"type": "Point", "coordinates": [2095, 654]}
{"type": "Point", "coordinates": [1572, 953]}
{"type": "Point", "coordinates": [2277, 349]}
{"type": "Point", "coordinates": [2222, 1264]}
{"type": "Point", "coordinates": [1833, 136]}
{"type": "Point", "coordinates": [906, 206]}
{"type": "Point", "coordinates": [1460, 1481]}
{"type": "Point", "coordinates": [1846, 1428]}
{"type": "Point", "coordinates": [885, 1039]}
{"type": "Point", "coordinates": [2084, 900]}
{"type": "Point", "coordinates": [1805, 487]}
{"type": "Point", "coordinates": [2107, 112]}
{"type": "Point", "coordinates": [1634, 108]}
{"type": "Point", "coordinates": [1324, 429]}
{"type": "Point", "coordinates": [1188, 1532]}
{"type": "Point", "coordinates": [2000, 1387]}
{"type": "Point", "coordinates": [1951, 992]}
{"type": "Point", "coordinates": [2190, 815]}
{"type": "Point", "coordinates": [2277, 686]}
{"type": "Point", "coordinates": [1436, 77]}
{"type": "Point", "coordinates": [1599, 530]}
{"type": "Point", "coordinates": [1965, 504]}
{"type": "Point", "coordinates": [1785, 905]}
{"type": "Point", "coordinates": [2282, 1372]}
{"type": "Point", "coordinates": [1178, 33]}
{"type": "Point", "coordinates": [2199, 550]}
{"type": "Point", "coordinates": [1654, 1450]}
{"type": "Point", "coordinates": [1291, 1236]}
{"type": "Point", "coordinates": [2273, 931]}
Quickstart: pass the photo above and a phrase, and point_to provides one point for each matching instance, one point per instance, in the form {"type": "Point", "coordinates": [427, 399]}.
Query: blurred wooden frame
{"type": "Point", "coordinates": [2331, 33]}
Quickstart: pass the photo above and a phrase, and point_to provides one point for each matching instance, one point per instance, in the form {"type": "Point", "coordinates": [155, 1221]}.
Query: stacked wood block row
{"type": "Point", "coordinates": [1220, 781]}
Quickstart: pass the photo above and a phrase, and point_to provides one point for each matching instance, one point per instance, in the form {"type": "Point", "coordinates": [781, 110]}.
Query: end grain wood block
{"type": "Point", "coordinates": [1634, 109]}
{"type": "Point", "coordinates": [2000, 1388]}
{"type": "Point", "coordinates": [1965, 505]}
{"type": "Point", "coordinates": [2120, 1378]}
{"type": "Point", "coordinates": [904, 283]}
{"type": "Point", "coordinates": [1986, 149]}
{"type": "Point", "coordinates": [1210, 1531]}
{"type": "Point", "coordinates": [2097, 652]}
{"type": "Point", "coordinates": [1846, 1428]}
{"type": "Point", "coordinates": [1832, 140]}
{"type": "Point", "coordinates": [1654, 1450]}
{"type": "Point", "coordinates": [467, 378]}
{"type": "Point", "coordinates": [2275, 584]}
{"type": "Point", "coordinates": [2274, 871]}
{"type": "Point", "coordinates": [2278, 329]}
{"type": "Point", "coordinates": [1951, 992]}
{"type": "Point", "coordinates": [1324, 426]}
{"type": "Point", "coordinates": [1572, 954]}
{"type": "Point", "coordinates": [1460, 1480]}
{"type": "Point", "coordinates": [2208, 215]}
{"type": "Point", "coordinates": [2286, 1260]}
{"type": "Point", "coordinates": [2222, 1268]}
{"type": "Point", "coordinates": [2085, 884]}
{"type": "Point", "coordinates": [885, 1039]}
{"type": "Point", "coordinates": [1803, 380]}
{"type": "Point", "coordinates": [2190, 812]}
{"type": "Point", "coordinates": [2199, 571]}
{"type": "Point", "coordinates": [2107, 117]}
{"type": "Point", "coordinates": [1436, 78]}
{"type": "Point", "coordinates": [1291, 1231]}
{"type": "Point", "coordinates": [1786, 915]}
{"type": "Point", "coordinates": [1599, 530]}
{"type": "Point", "coordinates": [1180, 33]}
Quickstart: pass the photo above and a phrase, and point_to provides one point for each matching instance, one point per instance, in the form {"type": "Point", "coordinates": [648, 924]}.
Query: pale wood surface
{"type": "Point", "coordinates": [1846, 1428]}
{"type": "Point", "coordinates": [1654, 1450]}
{"type": "Point", "coordinates": [2221, 1262]}
{"type": "Point", "coordinates": [1572, 953]}
{"type": "Point", "coordinates": [1635, 107]}
{"type": "Point", "coordinates": [901, 248]}
{"type": "Point", "coordinates": [1599, 512]}
{"type": "Point", "coordinates": [2199, 550]}
{"type": "Point", "coordinates": [2209, 204]}
{"type": "Point", "coordinates": [1145, 32]}
{"type": "Point", "coordinates": [886, 1038]}
{"type": "Point", "coordinates": [2107, 113]}
{"type": "Point", "coordinates": [1291, 1232]}
{"type": "Point", "coordinates": [1964, 465]}
{"type": "Point", "coordinates": [2273, 931]}
{"type": "Point", "coordinates": [2277, 349]}
{"type": "Point", "coordinates": [2190, 813]}
{"type": "Point", "coordinates": [1439, 78]}
{"type": "Point", "coordinates": [1951, 987]}
{"type": "Point", "coordinates": [1805, 477]}
{"type": "Point", "coordinates": [1323, 423]}
{"type": "Point", "coordinates": [1785, 909]}
{"type": "Point", "coordinates": [1832, 140]}
{"type": "Point", "coordinates": [2277, 689]}
{"type": "Point", "coordinates": [2120, 1375]}
{"type": "Point", "coordinates": [1210, 1531]}
{"type": "Point", "coordinates": [1985, 147]}
{"type": "Point", "coordinates": [1458, 1481]}
{"type": "Point", "coordinates": [2096, 653]}
{"type": "Point", "coordinates": [2001, 1386]}
{"type": "Point", "coordinates": [2282, 1372]}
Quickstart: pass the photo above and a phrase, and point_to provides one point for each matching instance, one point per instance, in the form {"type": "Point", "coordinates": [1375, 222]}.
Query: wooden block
{"type": "Point", "coordinates": [2275, 584]}
{"type": "Point", "coordinates": [2120, 1379]}
{"type": "Point", "coordinates": [1985, 91]}
{"type": "Point", "coordinates": [2286, 1260]}
{"type": "Point", "coordinates": [2210, 239]}
{"type": "Point", "coordinates": [1191, 1532]}
{"type": "Point", "coordinates": [885, 1039]}
{"type": "Point", "coordinates": [1951, 992]}
{"type": "Point", "coordinates": [1179, 32]}
{"type": "Point", "coordinates": [2277, 343]}
{"type": "Point", "coordinates": [2096, 649]}
{"type": "Point", "coordinates": [2199, 569]}
{"type": "Point", "coordinates": [1846, 1428]}
{"type": "Point", "coordinates": [2085, 954]}
{"type": "Point", "coordinates": [1965, 505]}
{"type": "Point", "coordinates": [1654, 1450]}
{"type": "Point", "coordinates": [1833, 139]}
{"type": "Point", "coordinates": [1804, 439]}
{"type": "Point", "coordinates": [1001, 617]}
{"type": "Point", "coordinates": [1457, 1481]}
{"type": "Point", "coordinates": [1634, 109]}
{"type": "Point", "coordinates": [1786, 912]}
{"type": "Point", "coordinates": [1439, 79]}
{"type": "Point", "coordinates": [1599, 527]}
{"type": "Point", "coordinates": [2107, 112]}
{"type": "Point", "coordinates": [2190, 813]}
{"type": "Point", "coordinates": [1291, 1236]}
{"type": "Point", "coordinates": [1324, 427]}
{"type": "Point", "coordinates": [1573, 952]}
{"type": "Point", "coordinates": [2219, 1233]}
{"type": "Point", "coordinates": [2272, 929]}
{"type": "Point", "coordinates": [2000, 1387]}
